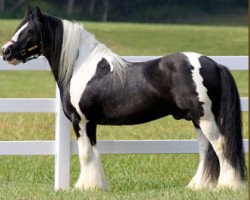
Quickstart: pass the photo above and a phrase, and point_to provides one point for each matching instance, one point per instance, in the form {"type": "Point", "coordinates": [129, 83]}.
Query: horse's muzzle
{"type": "Point", "coordinates": [6, 52]}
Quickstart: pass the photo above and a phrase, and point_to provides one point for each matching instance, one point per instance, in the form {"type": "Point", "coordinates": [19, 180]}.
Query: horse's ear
{"type": "Point", "coordinates": [39, 13]}
{"type": "Point", "coordinates": [28, 11]}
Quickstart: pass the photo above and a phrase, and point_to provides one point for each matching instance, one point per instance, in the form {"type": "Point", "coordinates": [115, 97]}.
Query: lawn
{"type": "Point", "coordinates": [129, 176]}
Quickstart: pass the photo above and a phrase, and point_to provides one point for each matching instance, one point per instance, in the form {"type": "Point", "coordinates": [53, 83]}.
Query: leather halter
{"type": "Point", "coordinates": [24, 52]}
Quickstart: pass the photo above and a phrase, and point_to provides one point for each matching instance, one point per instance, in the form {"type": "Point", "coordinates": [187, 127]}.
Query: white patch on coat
{"type": "Point", "coordinates": [200, 181]}
{"type": "Point", "coordinates": [193, 59]}
{"type": "Point", "coordinates": [15, 37]}
{"type": "Point", "coordinates": [6, 45]}
{"type": "Point", "coordinates": [203, 97]}
{"type": "Point", "coordinates": [90, 53]}
{"type": "Point", "coordinates": [92, 173]}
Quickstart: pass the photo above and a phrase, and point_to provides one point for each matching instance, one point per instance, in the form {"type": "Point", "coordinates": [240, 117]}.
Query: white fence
{"type": "Point", "coordinates": [62, 147]}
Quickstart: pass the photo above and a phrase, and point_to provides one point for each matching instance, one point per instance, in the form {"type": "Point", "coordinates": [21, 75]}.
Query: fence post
{"type": "Point", "coordinates": [62, 147]}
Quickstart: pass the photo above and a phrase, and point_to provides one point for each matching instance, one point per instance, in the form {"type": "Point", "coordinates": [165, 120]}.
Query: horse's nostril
{"type": "Point", "coordinates": [7, 52]}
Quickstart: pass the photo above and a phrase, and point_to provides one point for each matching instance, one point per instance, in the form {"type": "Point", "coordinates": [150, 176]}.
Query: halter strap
{"type": "Point", "coordinates": [23, 52]}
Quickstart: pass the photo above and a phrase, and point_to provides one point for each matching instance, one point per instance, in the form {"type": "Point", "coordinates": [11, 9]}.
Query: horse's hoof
{"type": "Point", "coordinates": [195, 185]}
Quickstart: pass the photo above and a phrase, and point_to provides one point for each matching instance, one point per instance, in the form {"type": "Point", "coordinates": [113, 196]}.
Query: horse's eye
{"type": "Point", "coordinates": [31, 31]}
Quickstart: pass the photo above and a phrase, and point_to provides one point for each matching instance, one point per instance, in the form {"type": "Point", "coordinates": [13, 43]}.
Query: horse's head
{"type": "Point", "coordinates": [26, 43]}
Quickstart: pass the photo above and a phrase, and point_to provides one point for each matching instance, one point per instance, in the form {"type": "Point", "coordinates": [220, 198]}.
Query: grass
{"type": "Point", "coordinates": [151, 39]}
{"type": "Point", "coordinates": [136, 39]}
{"type": "Point", "coordinates": [129, 176]}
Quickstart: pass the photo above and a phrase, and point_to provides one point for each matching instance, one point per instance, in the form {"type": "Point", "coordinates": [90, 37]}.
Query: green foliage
{"type": "Point", "coordinates": [221, 12]}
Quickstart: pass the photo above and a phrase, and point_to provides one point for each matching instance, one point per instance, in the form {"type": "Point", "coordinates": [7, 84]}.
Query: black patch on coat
{"type": "Point", "coordinates": [178, 72]}
{"type": "Point", "coordinates": [211, 80]}
{"type": "Point", "coordinates": [103, 67]}
{"type": "Point", "coordinates": [69, 110]}
{"type": "Point", "coordinates": [148, 91]}
{"type": "Point", "coordinates": [91, 132]}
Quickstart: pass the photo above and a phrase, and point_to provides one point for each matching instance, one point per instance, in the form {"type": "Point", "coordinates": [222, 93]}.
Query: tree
{"type": "Point", "coordinates": [92, 7]}
{"type": "Point", "coordinates": [17, 5]}
{"type": "Point", "coordinates": [2, 5]}
{"type": "Point", "coordinates": [70, 7]}
{"type": "Point", "coordinates": [106, 6]}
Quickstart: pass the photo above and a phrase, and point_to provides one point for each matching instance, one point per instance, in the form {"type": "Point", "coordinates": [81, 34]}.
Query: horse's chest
{"type": "Point", "coordinates": [78, 83]}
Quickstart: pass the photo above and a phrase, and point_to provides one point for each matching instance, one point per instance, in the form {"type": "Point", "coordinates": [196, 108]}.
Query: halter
{"type": "Point", "coordinates": [24, 52]}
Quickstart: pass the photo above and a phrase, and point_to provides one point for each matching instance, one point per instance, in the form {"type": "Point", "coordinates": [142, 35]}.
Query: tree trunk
{"type": "Point", "coordinates": [70, 7]}
{"type": "Point", "coordinates": [2, 5]}
{"type": "Point", "coordinates": [92, 7]}
{"type": "Point", "coordinates": [106, 10]}
{"type": "Point", "coordinates": [17, 5]}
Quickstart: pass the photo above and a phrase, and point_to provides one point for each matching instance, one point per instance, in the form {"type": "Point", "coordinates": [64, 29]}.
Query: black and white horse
{"type": "Point", "coordinates": [99, 87]}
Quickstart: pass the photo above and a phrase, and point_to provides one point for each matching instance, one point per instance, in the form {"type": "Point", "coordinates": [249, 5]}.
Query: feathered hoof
{"type": "Point", "coordinates": [81, 186]}
{"type": "Point", "coordinates": [234, 185]}
{"type": "Point", "coordinates": [200, 185]}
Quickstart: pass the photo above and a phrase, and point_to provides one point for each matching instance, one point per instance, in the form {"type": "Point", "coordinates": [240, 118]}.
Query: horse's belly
{"type": "Point", "coordinates": [128, 114]}
{"type": "Point", "coordinates": [130, 120]}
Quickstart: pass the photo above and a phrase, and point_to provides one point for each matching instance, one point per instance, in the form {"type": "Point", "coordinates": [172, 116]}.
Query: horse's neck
{"type": "Point", "coordinates": [90, 52]}
{"type": "Point", "coordinates": [88, 43]}
{"type": "Point", "coordinates": [52, 43]}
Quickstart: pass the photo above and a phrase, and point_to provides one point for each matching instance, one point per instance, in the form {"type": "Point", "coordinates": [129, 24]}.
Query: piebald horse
{"type": "Point", "coordinates": [99, 87]}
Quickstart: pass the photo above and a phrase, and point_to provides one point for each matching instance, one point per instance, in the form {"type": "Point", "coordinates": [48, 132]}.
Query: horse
{"type": "Point", "coordinates": [98, 87]}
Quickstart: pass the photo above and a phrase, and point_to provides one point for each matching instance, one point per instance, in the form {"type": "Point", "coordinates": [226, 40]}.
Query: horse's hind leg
{"type": "Point", "coordinates": [92, 173]}
{"type": "Point", "coordinates": [220, 120]}
{"type": "Point", "coordinates": [228, 176]}
{"type": "Point", "coordinates": [204, 176]}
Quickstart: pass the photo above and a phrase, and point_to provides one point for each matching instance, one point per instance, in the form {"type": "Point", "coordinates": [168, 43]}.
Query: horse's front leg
{"type": "Point", "coordinates": [92, 174]}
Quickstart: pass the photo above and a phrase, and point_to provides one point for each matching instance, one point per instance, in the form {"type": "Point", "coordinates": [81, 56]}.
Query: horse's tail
{"type": "Point", "coordinates": [229, 122]}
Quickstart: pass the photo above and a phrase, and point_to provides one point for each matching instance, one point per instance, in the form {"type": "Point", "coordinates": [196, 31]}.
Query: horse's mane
{"type": "Point", "coordinates": [73, 35]}
{"type": "Point", "coordinates": [69, 51]}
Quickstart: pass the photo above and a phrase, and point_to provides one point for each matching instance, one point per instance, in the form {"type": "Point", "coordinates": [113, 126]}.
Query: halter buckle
{"type": "Point", "coordinates": [23, 52]}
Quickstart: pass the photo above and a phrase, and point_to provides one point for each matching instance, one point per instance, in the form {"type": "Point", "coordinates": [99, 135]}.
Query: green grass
{"type": "Point", "coordinates": [129, 176]}
{"type": "Point", "coordinates": [136, 39]}
{"type": "Point", "coordinates": [151, 39]}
